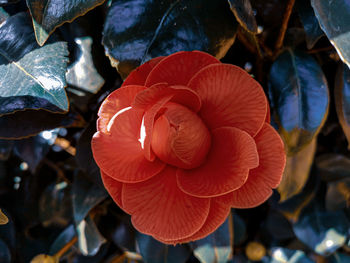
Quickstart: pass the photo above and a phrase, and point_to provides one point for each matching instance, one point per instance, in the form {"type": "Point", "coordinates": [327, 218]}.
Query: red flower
{"type": "Point", "coordinates": [182, 141]}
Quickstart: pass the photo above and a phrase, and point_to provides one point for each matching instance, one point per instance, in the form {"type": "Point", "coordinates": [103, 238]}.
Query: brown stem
{"type": "Point", "coordinates": [66, 247]}
{"type": "Point", "coordinates": [65, 145]}
{"type": "Point", "coordinates": [284, 26]}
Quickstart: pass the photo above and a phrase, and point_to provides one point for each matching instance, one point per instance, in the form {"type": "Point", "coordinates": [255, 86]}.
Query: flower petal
{"type": "Point", "coordinates": [114, 188]}
{"type": "Point", "coordinates": [178, 68]}
{"type": "Point", "coordinates": [267, 175]}
{"type": "Point", "coordinates": [119, 153]}
{"type": "Point", "coordinates": [232, 154]}
{"type": "Point", "coordinates": [117, 100]}
{"type": "Point", "coordinates": [159, 208]}
{"type": "Point", "coordinates": [230, 97]}
{"type": "Point", "coordinates": [179, 94]}
{"type": "Point", "coordinates": [217, 215]}
{"type": "Point", "coordinates": [139, 75]}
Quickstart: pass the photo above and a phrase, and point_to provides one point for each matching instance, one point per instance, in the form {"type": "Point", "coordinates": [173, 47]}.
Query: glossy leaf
{"type": "Point", "coordinates": [82, 74]}
{"type": "Point", "coordinates": [243, 12]}
{"type": "Point", "coordinates": [49, 15]}
{"type": "Point", "coordinates": [342, 99]}
{"type": "Point", "coordinates": [334, 19]}
{"type": "Point", "coordinates": [32, 122]}
{"type": "Point", "coordinates": [32, 150]}
{"type": "Point", "coordinates": [217, 247]}
{"type": "Point", "coordinates": [299, 95]}
{"type": "Point", "coordinates": [296, 172]}
{"type": "Point", "coordinates": [123, 235]}
{"type": "Point", "coordinates": [85, 196]}
{"type": "Point", "coordinates": [310, 23]}
{"type": "Point", "coordinates": [3, 15]}
{"type": "Point", "coordinates": [31, 77]}
{"type": "Point", "coordinates": [333, 166]}
{"type": "Point", "coordinates": [153, 251]}
{"type": "Point", "coordinates": [284, 255]}
{"type": "Point", "coordinates": [338, 195]}
{"type": "Point", "coordinates": [136, 31]}
{"type": "Point", "coordinates": [89, 238]}
{"type": "Point", "coordinates": [55, 205]}
{"type": "Point", "coordinates": [5, 149]}
{"type": "Point", "coordinates": [324, 232]}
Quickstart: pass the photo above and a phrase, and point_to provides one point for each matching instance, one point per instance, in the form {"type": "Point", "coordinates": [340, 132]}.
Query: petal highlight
{"type": "Point", "coordinates": [178, 68]}
{"type": "Point", "coordinates": [139, 75]}
{"type": "Point", "coordinates": [159, 208]}
{"type": "Point", "coordinates": [116, 101]}
{"type": "Point", "coordinates": [232, 154]}
{"type": "Point", "coordinates": [267, 175]}
{"type": "Point", "coordinates": [230, 97]}
{"type": "Point", "coordinates": [119, 154]}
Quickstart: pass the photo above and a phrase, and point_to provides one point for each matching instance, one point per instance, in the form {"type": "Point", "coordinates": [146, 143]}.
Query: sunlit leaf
{"type": "Point", "coordinates": [89, 238]}
{"type": "Point", "coordinates": [323, 232]}
{"type": "Point", "coordinates": [32, 122]}
{"type": "Point", "coordinates": [296, 172]}
{"type": "Point", "coordinates": [334, 19]}
{"type": "Point", "coordinates": [310, 23]}
{"type": "Point", "coordinates": [217, 247]}
{"type": "Point", "coordinates": [3, 218]}
{"type": "Point", "coordinates": [136, 31]}
{"type": "Point", "coordinates": [342, 99]}
{"type": "Point", "coordinates": [48, 15]}
{"type": "Point", "coordinates": [32, 150]}
{"type": "Point", "coordinates": [82, 74]}
{"type": "Point", "coordinates": [299, 95]}
{"type": "Point", "coordinates": [284, 255]}
{"type": "Point", "coordinates": [85, 196]}
{"type": "Point", "coordinates": [243, 12]}
{"type": "Point", "coordinates": [31, 77]}
{"type": "Point", "coordinates": [42, 258]}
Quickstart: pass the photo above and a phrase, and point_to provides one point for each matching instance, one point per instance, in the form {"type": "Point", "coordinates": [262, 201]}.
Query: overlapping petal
{"type": "Point", "coordinates": [230, 97]}
{"type": "Point", "coordinates": [119, 153]}
{"type": "Point", "coordinates": [179, 68]}
{"type": "Point", "coordinates": [232, 154]}
{"type": "Point", "coordinates": [139, 75]}
{"type": "Point", "coordinates": [159, 208]}
{"type": "Point", "coordinates": [267, 175]}
{"type": "Point", "coordinates": [116, 101]}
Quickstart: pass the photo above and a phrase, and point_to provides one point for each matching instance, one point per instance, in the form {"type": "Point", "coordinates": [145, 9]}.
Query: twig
{"type": "Point", "coordinates": [66, 247]}
{"type": "Point", "coordinates": [284, 26]}
{"type": "Point", "coordinates": [320, 49]}
{"type": "Point", "coordinates": [65, 145]}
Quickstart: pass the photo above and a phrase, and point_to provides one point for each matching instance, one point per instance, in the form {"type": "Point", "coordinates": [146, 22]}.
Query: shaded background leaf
{"type": "Point", "coordinates": [136, 31]}
{"type": "Point", "coordinates": [243, 12]}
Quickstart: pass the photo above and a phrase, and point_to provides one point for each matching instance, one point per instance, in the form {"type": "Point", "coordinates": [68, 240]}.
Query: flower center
{"type": "Point", "coordinates": [180, 137]}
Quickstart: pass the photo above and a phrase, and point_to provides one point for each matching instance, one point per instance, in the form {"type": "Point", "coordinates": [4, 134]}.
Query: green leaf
{"type": "Point", "coordinates": [32, 150]}
{"type": "Point", "coordinates": [323, 232]}
{"type": "Point", "coordinates": [85, 196]}
{"type": "Point", "coordinates": [310, 23]}
{"type": "Point", "coordinates": [153, 251]}
{"type": "Point", "coordinates": [89, 238]}
{"type": "Point", "coordinates": [217, 247]}
{"type": "Point", "coordinates": [82, 74]}
{"type": "Point", "coordinates": [296, 172]}
{"type": "Point", "coordinates": [342, 99]}
{"type": "Point", "coordinates": [30, 122]}
{"type": "Point", "coordinates": [299, 95]}
{"type": "Point", "coordinates": [50, 14]}
{"type": "Point", "coordinates": [242, 9]}
{"type": "Point", "coordinates": [31, 77]}
{"type": "Point", "coordinates": [334, 19]}
{"type": "Point", "coordinates": [138, 30]}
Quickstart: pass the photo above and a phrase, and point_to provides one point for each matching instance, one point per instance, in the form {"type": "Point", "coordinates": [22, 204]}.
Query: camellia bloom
{"type": "Point", "coordinates": [182, 141]}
